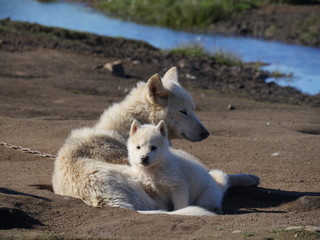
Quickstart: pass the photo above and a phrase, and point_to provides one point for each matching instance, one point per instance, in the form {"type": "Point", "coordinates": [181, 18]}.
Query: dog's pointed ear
{"type": "Point", "coordinates": [171, 75]}
{"type": "Point", "coordinates": [162, 128]}
{"type": "Point", "coordinates": [134, 127]}
{"type": "Point", "coordinates": [156, 89]}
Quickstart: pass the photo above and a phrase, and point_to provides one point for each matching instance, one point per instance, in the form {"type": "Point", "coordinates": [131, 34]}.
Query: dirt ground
{"type": "Point", "coordinates": [45, 92]}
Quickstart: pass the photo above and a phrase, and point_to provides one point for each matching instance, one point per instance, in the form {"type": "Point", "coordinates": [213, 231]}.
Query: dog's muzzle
{"type": "Point", "coordinates": [144, 160]}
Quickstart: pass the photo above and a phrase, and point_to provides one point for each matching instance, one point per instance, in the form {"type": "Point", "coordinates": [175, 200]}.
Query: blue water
{"type": "Point", "coordinates": [302, 62]}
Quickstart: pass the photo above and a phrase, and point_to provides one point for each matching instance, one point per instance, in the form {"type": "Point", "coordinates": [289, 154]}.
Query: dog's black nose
{"type": "Point", "coordinates": [205, 134]}
{"type": "Point", "coordinates": [144, 159]}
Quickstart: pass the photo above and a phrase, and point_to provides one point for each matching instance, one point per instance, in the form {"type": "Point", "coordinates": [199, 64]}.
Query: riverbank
{"type": "Point", "coordinates": [207, 73]}
{"type": "Point", "coordinates": [54, 80]}
{"type": "Point", "coordinates": [295, 24]}
{"type": "Point", "coordinates": [285, 21]}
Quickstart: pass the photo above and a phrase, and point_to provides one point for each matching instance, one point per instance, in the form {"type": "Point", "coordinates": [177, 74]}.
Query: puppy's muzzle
{"type": "Point", "coordinates": [144, 160]}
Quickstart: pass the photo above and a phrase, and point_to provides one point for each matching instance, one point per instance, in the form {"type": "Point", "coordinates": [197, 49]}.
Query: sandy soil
{"type": "Point", "coordinates": [47, 91]}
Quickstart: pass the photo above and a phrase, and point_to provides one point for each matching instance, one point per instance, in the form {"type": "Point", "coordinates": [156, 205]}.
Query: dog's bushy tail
{"type": "Point", "coordinates": [226, 181]}
{"type": "Point", "coordinates": [187, 211]}
{"type": "Point", "coordinates": [221, 178]}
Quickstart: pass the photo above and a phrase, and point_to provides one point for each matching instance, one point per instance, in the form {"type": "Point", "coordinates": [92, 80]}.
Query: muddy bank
{"type": "Point", "coordinates": [296, 24]}
{"type": "Point", "coordinates": [203, 73]}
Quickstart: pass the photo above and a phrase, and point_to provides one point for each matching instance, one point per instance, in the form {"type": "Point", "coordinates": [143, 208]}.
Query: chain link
{"type": "Point", "coordinates": [27, 150]}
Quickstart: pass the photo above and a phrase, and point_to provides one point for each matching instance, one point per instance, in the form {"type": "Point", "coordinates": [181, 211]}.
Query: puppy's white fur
{"type": "Point", "coordinates": [171, 176]}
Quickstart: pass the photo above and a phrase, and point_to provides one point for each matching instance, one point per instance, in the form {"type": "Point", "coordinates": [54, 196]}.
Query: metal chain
{"type": "Point", "coordinates": [27, 150]}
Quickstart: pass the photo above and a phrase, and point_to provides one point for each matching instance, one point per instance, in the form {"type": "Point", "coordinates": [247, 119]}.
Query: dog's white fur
{"type": "Point", "coordinates": [158, 99]}
{"type": "Point", "coordinates": [102, 184]}
{"type": "Point", "coordinates": [83, 166]}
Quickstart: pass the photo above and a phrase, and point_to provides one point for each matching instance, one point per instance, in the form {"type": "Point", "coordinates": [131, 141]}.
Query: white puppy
{"type": "Point", "coordinates": [172, 177]}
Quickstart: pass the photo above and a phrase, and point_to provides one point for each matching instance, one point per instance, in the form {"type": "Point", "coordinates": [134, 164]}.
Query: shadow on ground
{"type": "Point", "coordinates": [249, 200]}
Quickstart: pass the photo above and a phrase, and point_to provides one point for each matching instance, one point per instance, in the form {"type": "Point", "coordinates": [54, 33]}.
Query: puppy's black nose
{"type": "Point", "coordinates": [144, 159]}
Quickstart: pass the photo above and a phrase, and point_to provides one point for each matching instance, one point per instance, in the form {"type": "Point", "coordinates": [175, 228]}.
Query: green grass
{"type": "Point", "coordinates": [191, 50]}
{"type": "Point", "coordinates": [56, 34]}
{"type": "Point", "coordinates": [178, 14]}
{"type": "Point", "coordinates": [184, 14]}
{"type": "Point", "coordinates": [310, 28]}
{"type": "Point", "coordinates": [220, 57]}
{"type": "Point", "coordinates": [226, 58]}
{"type": "Point", "coordinates": [277, 74]}
{"type": "Point", "coordinates": [249, 234]}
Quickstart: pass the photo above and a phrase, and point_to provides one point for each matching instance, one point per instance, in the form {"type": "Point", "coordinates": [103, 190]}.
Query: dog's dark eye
{"type": "Point", "coordinates": [184, 112]}
{"type": "Point", "coordinates": [153, 148]}
{"type": "Point", "coordinates": [138, 147]}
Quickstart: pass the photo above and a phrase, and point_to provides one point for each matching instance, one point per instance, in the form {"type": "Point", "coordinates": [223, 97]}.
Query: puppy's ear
{"type": "Point", "coordinates": [156, 90]}
{"type": "Point", "coordinates": [171, 75]}
{"type": "Point", "coordinates": [134, 127]}
{"type": "Point", "coordinates": [162, 128]}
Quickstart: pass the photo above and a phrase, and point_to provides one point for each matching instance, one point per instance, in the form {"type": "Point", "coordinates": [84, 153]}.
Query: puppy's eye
{"type": "Point", "coordinates": [138, 147]}
{"type": "Point", "coordinates": [153, 148]}
{"type": "Point", "coordinates": [183, 112]}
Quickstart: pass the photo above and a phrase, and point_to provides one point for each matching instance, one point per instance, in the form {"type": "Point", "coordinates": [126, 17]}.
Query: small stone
{"type": "Point", "coordinates": [116, 68]}
{"type": "Point", "coordinates": [189, 76]}
{"type": "Point", "coordinates": [182, 63]}
{"type": "Point", "coordinates": [275, 154]}
{"type": "Point", "coordinates": [135, 62]}
{"type": "Point", "coordinates": [231, 107]}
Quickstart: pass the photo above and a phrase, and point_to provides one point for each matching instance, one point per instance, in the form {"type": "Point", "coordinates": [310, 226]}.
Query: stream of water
{"type": "Point", "coordinates": [303, 63]}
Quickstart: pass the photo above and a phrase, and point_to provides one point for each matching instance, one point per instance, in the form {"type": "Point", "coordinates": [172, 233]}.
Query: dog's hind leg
{"type": "Point", "coordinates": [243, 180]}
{"type": "Point", "coordinates": [225, 181]}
